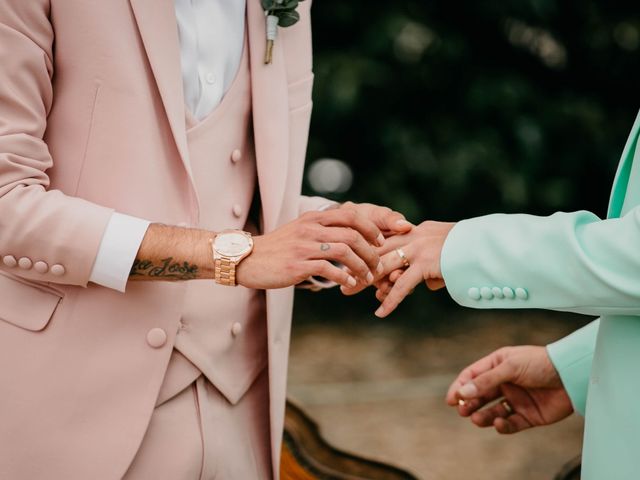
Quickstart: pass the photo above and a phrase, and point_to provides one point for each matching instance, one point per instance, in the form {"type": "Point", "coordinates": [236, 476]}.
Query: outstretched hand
{"type": "Point", "coordinates": [523, 381]}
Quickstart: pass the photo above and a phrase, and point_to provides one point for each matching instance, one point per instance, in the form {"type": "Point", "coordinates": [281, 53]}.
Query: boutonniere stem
{"type": "Point", "coordinates": [279, 13]}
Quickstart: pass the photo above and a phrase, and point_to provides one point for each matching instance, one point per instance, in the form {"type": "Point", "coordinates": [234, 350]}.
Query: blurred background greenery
{"type": "Point", "coordinates": [446, 110]}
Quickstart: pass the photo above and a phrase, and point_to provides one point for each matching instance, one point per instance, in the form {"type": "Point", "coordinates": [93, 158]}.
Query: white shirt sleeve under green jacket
{"type": "Point", "coordinates": [573, 262]}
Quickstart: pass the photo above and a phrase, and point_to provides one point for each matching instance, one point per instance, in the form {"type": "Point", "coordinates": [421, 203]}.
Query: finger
{"type": "Point", "coordinates": [352, 219]}
{"type": "Point", "coordinates": [400, 290]}
{"type": "Point", "coordinates": [512, 424]}
{"type": "Point", "coordinates": [468, 407]}
{"type": "Point", "coordinates": [324, 268]}
{"type": "Point", "coordinates": [488, 381]}
{"type": "Point", "coordinates": [395, 275]}
{"type": "Point", "coordinates": [343, 254]}
{"type": "Point", "coordinates": [357, 243]}
{"type": "Point", "coordinates": [391, 262]}
{"type": "Point", "coordinates": [435, 283]}
{"type": "Point", "coordinates": [389, 220]}
{"type": "Point", "coordinates": [381, 295]}
{"type": "Point", "coordinates": [468, 373]}
{"type": "Point", "coordinates": [486, 417]}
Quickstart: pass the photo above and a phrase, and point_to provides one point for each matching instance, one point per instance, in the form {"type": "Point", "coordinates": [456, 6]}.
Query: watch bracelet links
{"type": "Point", "coordinates": [225, 272]}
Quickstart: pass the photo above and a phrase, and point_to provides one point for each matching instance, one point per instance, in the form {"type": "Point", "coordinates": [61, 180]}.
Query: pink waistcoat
{"type": "Point", "coordinates": [223, 329]}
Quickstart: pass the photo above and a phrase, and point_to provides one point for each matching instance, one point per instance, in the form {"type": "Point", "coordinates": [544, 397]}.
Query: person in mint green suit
{"type": "Point", "coordinates": [572, 262]}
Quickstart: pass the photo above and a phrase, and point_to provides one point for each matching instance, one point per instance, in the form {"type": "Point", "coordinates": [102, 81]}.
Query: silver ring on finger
{"type": "Point", "coordinates": [507, 407]}
{"type": "Point", "coordinates": [403, 257]}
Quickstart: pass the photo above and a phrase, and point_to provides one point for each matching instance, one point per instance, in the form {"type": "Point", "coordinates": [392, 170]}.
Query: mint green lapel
{"type": "Point", "coordinates": [621, 181]}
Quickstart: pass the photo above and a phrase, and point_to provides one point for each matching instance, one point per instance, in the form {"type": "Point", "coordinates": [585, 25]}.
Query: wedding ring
{"type": "Point", "coordinates": [403, 257]}
{"type": "Point", "coordinates": [507, 406]}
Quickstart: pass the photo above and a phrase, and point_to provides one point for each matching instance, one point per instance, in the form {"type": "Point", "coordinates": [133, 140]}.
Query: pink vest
{"type": "Point", "coordinates": [223, 331]}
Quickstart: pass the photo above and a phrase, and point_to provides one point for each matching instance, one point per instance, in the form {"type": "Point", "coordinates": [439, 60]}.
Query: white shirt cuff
{"type": "Point", "coordinates": [120, 244]}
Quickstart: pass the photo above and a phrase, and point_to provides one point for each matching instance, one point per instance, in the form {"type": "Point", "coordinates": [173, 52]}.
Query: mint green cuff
{"type": "Point", "coordinates": [572, 357]}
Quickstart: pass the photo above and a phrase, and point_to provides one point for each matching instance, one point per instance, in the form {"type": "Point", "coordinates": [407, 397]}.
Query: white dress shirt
{"type": "Point", "coordinates": [211, 34]}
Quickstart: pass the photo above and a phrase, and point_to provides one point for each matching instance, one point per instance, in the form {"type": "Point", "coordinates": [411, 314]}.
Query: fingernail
{"type": "Point", "coordinates": [369, 277]}
{"type": "Point", "coordinates": [403, 223]}
{"type": "Point", "coordinates": [468, 390]}
{"type": "Point", "coordinates": [461, 402]}
{"type": "Point", "coordinates": [380, 312]}
{"type": "Point", "coordinates": [380, 240]}
{"type": "Point", "coordinates": [352, 282]}
{"type": "Point", "coordinates": [380, 268]}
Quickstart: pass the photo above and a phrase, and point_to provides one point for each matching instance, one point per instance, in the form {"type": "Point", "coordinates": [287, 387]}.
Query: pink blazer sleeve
{"type": "Point", "coordinates": [39, 228]}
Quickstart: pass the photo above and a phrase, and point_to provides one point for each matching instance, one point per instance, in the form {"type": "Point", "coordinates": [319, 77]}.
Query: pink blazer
{"type": "Point", "coordinates": [91, 121]}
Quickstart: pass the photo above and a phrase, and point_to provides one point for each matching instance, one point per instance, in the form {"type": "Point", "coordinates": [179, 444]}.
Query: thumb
{"type": "Point", "coordinates": [487, 382]}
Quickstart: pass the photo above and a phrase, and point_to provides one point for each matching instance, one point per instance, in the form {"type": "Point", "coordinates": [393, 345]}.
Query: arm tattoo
{"type": "Point", "coordinates": [167, 269]}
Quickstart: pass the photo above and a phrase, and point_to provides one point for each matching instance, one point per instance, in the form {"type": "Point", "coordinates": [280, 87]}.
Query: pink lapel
{"type": "Point", "coordinates": [156, 21]}
{"type": "Point", "coordinates": [270, 115]}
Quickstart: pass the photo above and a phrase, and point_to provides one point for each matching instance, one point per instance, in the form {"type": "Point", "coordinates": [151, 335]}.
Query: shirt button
{"type": "Point", "coordinates": [41, 267]}
{"type": "Point", "coordinates": [522, 294]}
{"type": "Point", "coordinates": [236, 329]}
{"type": "Point", "coordinates": [486, 293]}
{"type": "Point", "coordinates": [156, 337]}
{"type": "Point", "coordinates": [211, 78]}
{"type": "Point", "coordinates": [236, 156]}
{"type": "Point", "coordinates": [497, 292]}
{"type": "Point", "coordinates": [58, 270]}
{"type": "Point", "coordinates": [237, 211]}
{"type": "Point", "coordinates": [10, 261]}
{"type": "Point", "coordinates": [25, 263]}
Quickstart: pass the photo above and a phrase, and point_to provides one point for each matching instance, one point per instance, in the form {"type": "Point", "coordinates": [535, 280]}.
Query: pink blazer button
{"type": "Point", "coordinates": [236, 329]}
{"type": "Point", "coordinates": [41, 267]}
{"type": "Point", "coordinates": [58, 270]}
{"type": "Point", "coordinates": [236, 156]}
{"type": "Point", "coordinates": [10, 261]}
{"type": "Point", "coordinates": [156, 337]}
{"type": "Point", "coordinates": [25, 263]}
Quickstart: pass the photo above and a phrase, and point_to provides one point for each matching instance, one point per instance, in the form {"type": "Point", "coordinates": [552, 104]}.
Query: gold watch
{"type": "Point", "coordinates": [230, 247]}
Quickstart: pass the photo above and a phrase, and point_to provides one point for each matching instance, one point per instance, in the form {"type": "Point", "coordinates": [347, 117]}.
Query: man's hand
{"type": "Point", "coordinates": [421, 247]}
{"type": "Point", "coordinates": [522, 376]}
{"type": "Point", "coordinates": [307, 246]}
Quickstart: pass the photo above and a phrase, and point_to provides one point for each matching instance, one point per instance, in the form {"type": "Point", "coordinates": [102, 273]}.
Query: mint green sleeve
{"type": "Point", "coordinates": [572, 356]}
{"type": "Point", "coordinates": [572, 262]}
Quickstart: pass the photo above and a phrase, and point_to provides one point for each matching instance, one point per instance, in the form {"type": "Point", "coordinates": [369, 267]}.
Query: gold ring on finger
{"type": "Point", "coordinates": [507, 407]}
{"type": "Point", "coordinates": [403, 257]}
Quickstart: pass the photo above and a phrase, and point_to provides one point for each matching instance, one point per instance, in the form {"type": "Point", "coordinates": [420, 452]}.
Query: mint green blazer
{"type": "Point", "coordinates": [572, 262]}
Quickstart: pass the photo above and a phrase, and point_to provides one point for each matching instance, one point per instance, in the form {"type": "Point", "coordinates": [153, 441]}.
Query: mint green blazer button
{"type": "Point", "coordinates": [486, 293]}
{"type": "Point", "coordinates": [497, 292]}
{"type": "Point", "coordinates": [474, 293]}
{"type": "Point", "coordinates": [521, 293]}
{"type": "Point", "coordinates": [508, 292]}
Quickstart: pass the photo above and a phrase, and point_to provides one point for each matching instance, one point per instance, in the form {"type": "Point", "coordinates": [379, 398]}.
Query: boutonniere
{"type": "Point", "coordinates": [279, 13]}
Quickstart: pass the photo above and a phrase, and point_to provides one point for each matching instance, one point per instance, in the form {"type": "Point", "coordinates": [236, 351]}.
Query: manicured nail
{"type": "Point", "coordinates": [369, 278]}
{"type": "Point", "coordinates": [380, 312]}
{"type": "Point", "coordinates": [461, 402]}
{"type": "Point", "coordinates": [380, 240]}
{"type": "Point", "coordinates": [380, 268]}
{"type": "Point", "coordinates": [352, 282]}
{"type": "Point", "coordinates": [468, 390]}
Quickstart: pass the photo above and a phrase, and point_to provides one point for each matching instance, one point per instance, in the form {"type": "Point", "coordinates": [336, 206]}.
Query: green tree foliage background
{"type": "Point", "coordinates": [446, 109]}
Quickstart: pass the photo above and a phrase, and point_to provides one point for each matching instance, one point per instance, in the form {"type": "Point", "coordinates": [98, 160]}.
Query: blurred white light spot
{"type": "Point", "coordinates": [412, 41]}
{"type": "Point", "coordinates": [328, 175]}
{"type": "Point", "coordinates": [627, 36]}
{"type": "Point", "coordinates": [538, 41]}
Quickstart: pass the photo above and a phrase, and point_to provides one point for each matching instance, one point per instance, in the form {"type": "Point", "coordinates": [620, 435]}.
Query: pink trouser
{"type": "Point", "coordinates": [182, 441]}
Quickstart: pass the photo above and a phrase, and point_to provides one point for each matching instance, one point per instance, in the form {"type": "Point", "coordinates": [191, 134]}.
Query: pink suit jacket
{"type": "Point", "coordinates": [92, 120]}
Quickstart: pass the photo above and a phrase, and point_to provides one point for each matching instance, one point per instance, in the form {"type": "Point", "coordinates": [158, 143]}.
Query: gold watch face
{"type": "Point", "coordinates": [233, 244]}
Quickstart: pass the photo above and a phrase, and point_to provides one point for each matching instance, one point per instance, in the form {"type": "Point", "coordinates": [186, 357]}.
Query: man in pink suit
{"type": "Point", "coordinates": [147, 140]}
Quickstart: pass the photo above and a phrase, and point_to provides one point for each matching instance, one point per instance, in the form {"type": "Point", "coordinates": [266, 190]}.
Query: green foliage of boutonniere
{"type": "Point", "coordinates": [285, 10]}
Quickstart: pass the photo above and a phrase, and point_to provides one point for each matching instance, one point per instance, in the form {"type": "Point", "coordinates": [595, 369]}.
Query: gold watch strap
{"type": "Point", "coordinates": [225, 272]}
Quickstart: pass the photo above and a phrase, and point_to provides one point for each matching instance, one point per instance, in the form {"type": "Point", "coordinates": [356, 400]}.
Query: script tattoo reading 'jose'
{"type": "Point", "coordinates": [166, 269]}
